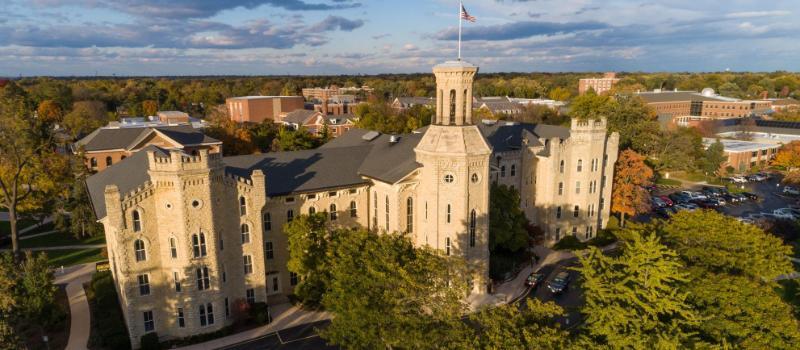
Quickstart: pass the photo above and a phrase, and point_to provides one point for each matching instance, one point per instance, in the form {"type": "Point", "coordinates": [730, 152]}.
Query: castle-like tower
{"type": "Point", "coordinates": [453, 187]}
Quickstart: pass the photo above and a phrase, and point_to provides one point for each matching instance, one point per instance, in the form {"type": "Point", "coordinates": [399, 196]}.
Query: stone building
{"type": "Point", "coordinates": [191, 236]}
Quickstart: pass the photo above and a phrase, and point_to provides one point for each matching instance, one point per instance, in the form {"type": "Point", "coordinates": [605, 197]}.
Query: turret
{"type": "Point", "coordinates": [454, 92]}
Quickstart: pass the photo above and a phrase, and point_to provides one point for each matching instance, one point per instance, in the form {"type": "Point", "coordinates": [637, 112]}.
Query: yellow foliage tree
{"type": "Point", "coordinates": [628, 196]}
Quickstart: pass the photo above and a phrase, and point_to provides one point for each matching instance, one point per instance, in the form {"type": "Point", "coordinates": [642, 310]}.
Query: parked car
{"type": "Point", "coordinates": [746, 220]}
{"type": "Point", "coordinates": [791, 191]}
{"type": "Point", "coordinates": [787, 213]}
{"type": "Point", "coordinates": [679, 197]}
{"type": "Point", "coordinates": [667, 200]}
{"type": "Point", "coordinates": [750, 196]}
{"type": "Point", "coordinates": [706, 203]}
{"type": "Point", "coordinates": [657, 202]}
{"type": "Point", "coordinates": [694, 195]}
{"type": "Point", "coordinates": [534, 279]}
{"type": "Point", "coordinates": [732, 198]}
{"type": "Point", "coordinates": [714, 191]}
{"type": "Point", "coordinates": [666, 212]}
{"type": "Point", "coordinates": [686, 206]}
{"type": "Point", "coordinates": [738, 179]}
{"type": "Point", "coordinates": [559, 283]}
{"type": "Point", "coordinates": [650, 188]}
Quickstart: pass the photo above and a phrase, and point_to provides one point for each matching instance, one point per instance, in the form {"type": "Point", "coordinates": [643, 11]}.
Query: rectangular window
{"type": "Point", "coordinates": [250, 296]}
{"type": "Point", "coordinates": [289, 215]}
{"type": "Point", "coordinates": [144, 284]}
{"type": "Point", "coordinates": [289, 199]}
{"type": "Point", "coordinates": [267, 222]}
{"type": "Point", "coordinates": [248, 264]}
{"type": "Point", "coordinates": [227, 308]}
{"type": "Point", "coordinates": [181, 320]}
{"type": "Point", "coordinates": [206, 314]}
{"type": "Point", "coordinates": [203, 280]}
{"type": "Point", "coordinates": [268, 252]}
{"type": "Point", "coordinates": [149, 323]}
{"type": "Point", "coordinates": [577, 187]}
{"type": "Point", "coordinates": [292, 278]}
{"type": "Point", "coordinates": [447, 246]}
{"type": "Point", "coordinates": [177, 281]}
{"type": "Point", "coordinates": [224, 274]}
{"type": "Point", "coordinates": [274, 284]}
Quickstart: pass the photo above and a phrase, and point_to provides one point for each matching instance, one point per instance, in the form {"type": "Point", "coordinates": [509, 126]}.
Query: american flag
{"type": "Point", "coordinates": [465, 15]}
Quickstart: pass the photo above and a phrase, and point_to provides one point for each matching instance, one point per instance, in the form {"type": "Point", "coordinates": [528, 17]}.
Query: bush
{"type": "Point", "coordinates": [613, 223]}
{"type": "Point", "coordinates": [150, 342]}
{"type": "Point", "coordinates": [259, 312]}
{"type": "Point", "coordinates": [108, 325]}
{"type": "Point", "coordinates": [603, 238]}
{"type": "Point", "coordinates": [570, 243]}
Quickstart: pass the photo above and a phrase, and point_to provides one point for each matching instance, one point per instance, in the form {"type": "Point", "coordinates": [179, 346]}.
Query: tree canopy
{"type": "Point", "coordinates": [628, 195]}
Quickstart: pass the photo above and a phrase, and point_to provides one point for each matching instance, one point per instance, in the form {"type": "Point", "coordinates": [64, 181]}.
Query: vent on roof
{"type": "Point", "coordinates": [370, 135]}
{"type": "Point", "coordinates": [510, 123]}
{"type": "Point", "coordinates": [394, 139]}
{"type": "Point", "coordinates": [489, 121]}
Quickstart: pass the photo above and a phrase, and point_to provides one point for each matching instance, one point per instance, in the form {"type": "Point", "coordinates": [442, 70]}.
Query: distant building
{"type": "Point", "coordinates": [319, 94]}
{"type": "Point", "coordinates": [744, 155]}
{"type": "Point", "coordinates": [256, 109]}
{"type": "Point", "coordinates": [784, 104]}
{"type": "Point", "coordinates": [496, 105]}
{"type": "Point", "coordinates": [552, 104]}
{"type": "Point", "coordinates": [759, 130]}
{"type": "Point", "coordinates": [314, 122]}
{"type": "Point", "coordinates": [686, 108]}
{"type": "Point", "coordinates": [406, 102]}
{"type": "Point", "coordinates": [110, 144]}
{"type": "Point", "coordinates": [599, 85]}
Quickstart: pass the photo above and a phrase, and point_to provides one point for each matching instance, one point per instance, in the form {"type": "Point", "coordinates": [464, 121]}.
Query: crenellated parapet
{"type": "Point", "coordinates": [178, 161]}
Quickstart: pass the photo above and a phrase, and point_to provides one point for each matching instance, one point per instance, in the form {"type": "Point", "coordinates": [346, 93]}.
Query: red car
{"type": "Point", "coordinates": [666, 200]}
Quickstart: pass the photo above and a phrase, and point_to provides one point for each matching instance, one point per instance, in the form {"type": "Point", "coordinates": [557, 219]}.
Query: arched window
{"type": "Point", "coordinates": [137, 221]}
{"type": "Point", "coordinates": [387, 213]}
{"type": "Point", "coordinates": [410, 214]}
{"type": "Point", "coordinates": [245, 233]}
{"type": "Point", "coordinates": [173, 248]}
{"type": "Point", "coordinates": [203, 281]}
{"type": "Point", "coordinates": [473, 218]}
{"type": "Point", "coordinates": [558, 213]}
{"type": "Point", "coordinates": [513, 169]}
{"type": "Point", "coordinates": [242, 206]}
{"type": "Point", "coordinates": [502, 171]}
{"type": "Point", "coordinates": [452, 107]}
{"type": "Point", "coordinates": [375, 210]}
{"type": "Point", "coordinates": [448, 213]}
{"type": "Point", "coordinates": [580, 165]}
{"type": "Point", "coordinates": [334, 215]}
{"type": "Point", "coordinates": [109, 161]}
{"type": "Point", "coordinates": [353, 209]}
{"type": "Point", "coordinates": [199, 245]}
{"type": "Point", "coordinates": [561, 167]}
{"type": "Point", "coordinates": [138, 248]}
{"type": "Point", "coordinates": [464, 106]}
{"type": "Point", "coordinates": [312, 210]}
{"type": "Point", "coordinates": [267, 222]}
{"type": "Point", "coordinates": [93, 162]}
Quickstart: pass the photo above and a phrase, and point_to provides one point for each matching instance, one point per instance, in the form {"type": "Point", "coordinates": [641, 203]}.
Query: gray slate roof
{"type": "Point", "coordinates": [503, 136]}
{"type": "Point", "coordinates": [124, 138]}
{"type": "Point", "coordinates": [675, 96]}
{"type": "Point", "coordinates": [299, 116]}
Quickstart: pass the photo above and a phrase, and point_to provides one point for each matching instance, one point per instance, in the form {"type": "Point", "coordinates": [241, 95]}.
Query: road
{"type": "Point", "coordinates": [302, 337]}
{"type": "Point", "coordinates": [571, 299]}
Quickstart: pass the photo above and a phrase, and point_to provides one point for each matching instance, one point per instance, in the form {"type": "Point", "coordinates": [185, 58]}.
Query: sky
{"type": "Point", "coordinates": [307, 37]}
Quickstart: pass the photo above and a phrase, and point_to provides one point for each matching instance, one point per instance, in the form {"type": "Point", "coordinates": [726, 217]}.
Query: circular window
{"type": "Point", "coordinates": [196, 203]}
{"type": "Point", "coordinates": [449, 178]}
{"type": "Point", "coordinates": [169, 206]}
{"type": "Point", "coordinates": [474, 178]}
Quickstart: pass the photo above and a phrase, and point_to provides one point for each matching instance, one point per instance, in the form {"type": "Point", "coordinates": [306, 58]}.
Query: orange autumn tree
{"type": "Point", "coordinates": [788, 160]}
{"type": "Point", "coordinates": [628, 196]}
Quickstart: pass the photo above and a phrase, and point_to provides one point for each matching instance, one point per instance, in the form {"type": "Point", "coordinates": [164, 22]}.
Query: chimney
{"type": "Point", "coordinates": [324, 102]}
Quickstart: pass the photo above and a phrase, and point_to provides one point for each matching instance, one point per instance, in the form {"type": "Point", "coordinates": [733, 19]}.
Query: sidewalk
{"type": "Point", "coordinates": [283, 316]}
{"type": "Point", "coordinates": [515, 289]}
{"type": "Point", "coordinates": [62, 247]}
{"type": "Point", "coordinates": [80, 325]}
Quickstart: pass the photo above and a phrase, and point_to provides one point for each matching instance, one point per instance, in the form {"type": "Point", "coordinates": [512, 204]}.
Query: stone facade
{"type": "Point", "coordinates": [207, 232]}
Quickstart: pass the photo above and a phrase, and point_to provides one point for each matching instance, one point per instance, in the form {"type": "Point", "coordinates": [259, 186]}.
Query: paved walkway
{"type": "Point", "coordinates": [283, 316]}
{"type": "Point", "coordinates": [45, 233]}
{"type": "Point", "coordinates": [61, 247]}
{"type": "Point", "coordinates": [80, 323]}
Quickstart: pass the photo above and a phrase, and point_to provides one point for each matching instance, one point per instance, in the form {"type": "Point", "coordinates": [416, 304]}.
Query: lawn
{"type": "Point", "coordinates": [59, 239]}
{"type": "Point", "coordinates": [5, 226]}
{"type": "Point", "coordinates": [73, 257]}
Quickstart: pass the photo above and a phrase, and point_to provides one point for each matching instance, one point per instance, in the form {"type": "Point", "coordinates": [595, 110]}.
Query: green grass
{"type": "Point", "coordinates": [5, 226]}
{"type": "Point", "coordinates": [44, 228]}
{"type": "Point", "coordinates": [59, 239]}
{"type": "Point", "coordinates": [65, 258]}
{"type": "Point", "coordinates": [668, 182]}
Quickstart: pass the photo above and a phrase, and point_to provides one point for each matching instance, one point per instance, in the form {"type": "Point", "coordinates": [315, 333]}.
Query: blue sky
{"type": "Point", "coordinates": [256, 37]}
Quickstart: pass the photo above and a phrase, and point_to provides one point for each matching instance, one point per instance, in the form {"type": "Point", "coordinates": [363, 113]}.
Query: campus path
{"type": "Point", "coordinates": [80, 322]}
{"type": "Point", "coordinates": [61, 247]}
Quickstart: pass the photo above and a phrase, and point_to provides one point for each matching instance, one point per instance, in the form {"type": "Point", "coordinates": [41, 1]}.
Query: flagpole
{"type": "Point", "coordinates": [460, 6]}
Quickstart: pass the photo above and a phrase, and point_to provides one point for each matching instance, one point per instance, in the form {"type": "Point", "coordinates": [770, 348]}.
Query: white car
{"type": "Point", "coordinates": [738, 179]}
{"type": "Point", "coordinates": [791, 190]}
{"type": "Point", "coordinates": [787, 213]}
{"type": "Point", "coordinates": [694, 195]}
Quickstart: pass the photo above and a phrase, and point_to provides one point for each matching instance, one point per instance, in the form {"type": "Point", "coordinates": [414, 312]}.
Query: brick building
{"type": "Point", "coordinates": [745, 155]}
{"type": "Point", "coordinates": [599, 85]}
{"type": "Point", "coordinates": [688, 107]}
{"type": "Point", "coordinates": [256, 109]}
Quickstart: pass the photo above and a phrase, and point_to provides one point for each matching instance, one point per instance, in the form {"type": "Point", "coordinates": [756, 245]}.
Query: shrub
{"type": "Point", "coordinates": [569, 243]}
{"type": "Point", "coordinates": [603, 238]}
{"type": "Point", "coordinates": [108, 325]}
{"type": "Point", "coordinates": [150, 342]}
{"type": "Point", "coordinates": [613, 223]}
{"type": "Point", "coordinates": [259, 312]}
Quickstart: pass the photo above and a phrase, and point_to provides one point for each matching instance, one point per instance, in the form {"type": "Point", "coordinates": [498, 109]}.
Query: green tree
{"type": "Point", "coordinates": [636, 300]}
{"type": "Point", "coordinates": [77, 214]}
{"type": "Point", "coordinates": [309, 237]}
{"type": "Point", "coordinates": [8, 284]}
{"type": "Point", "coordinates": [592, 106]}
{"type": "Point", "coordinates": [559, 94]}
{"type": "Point", "coordinates": [386, 294]}
{"type": "Point", "coordinates": [37, 301]}
{"type": "Point", "coordinates": [635, 122]}
{"type": "Point", "coordinates": [714, 157]}
{"type": "Point", "coordinates": [507, 222]}
{"type": "Point", "coordinates": [85, 117]}
{"type": "Point", "coordinates": [9, 340]}
{"type": "Point", "coordinates": [512, 327]}
{"type": "Point", "coordinates": [731, 271]}
{"type": "Point", "coordinates": [293, 140]}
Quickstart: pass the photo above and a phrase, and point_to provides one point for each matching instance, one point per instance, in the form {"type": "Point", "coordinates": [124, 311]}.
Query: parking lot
{"type": "Point", "coordinates": [770, 197]}
{"type": "Point", "coordinates": [571, 299]}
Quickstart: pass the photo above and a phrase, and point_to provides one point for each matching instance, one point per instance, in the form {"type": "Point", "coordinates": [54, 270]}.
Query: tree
{"type": "Point", "coordinates": [507, 222]}
{"type": "Point", "coordinates": [85, 117]}
{"type": "Point", "coordinates": [37, 302]}
{"type": "Point", "coordinates": [8, 337]}
{"type": "Point", "coordinates": [293, 140]}
{"type": "Point", "coordinates": [149, 107]}
{"type": "Point", "coordinates": [510, 327]}
{"type": "Point", "coordinates": [714, 157]}
{"type": "Point", "coordinates": [50, 111]}
{"type": "Point", "coordinates": [788, 158]}
{"type": "Point", "coordinates": [591, 106]}
{"type": "Point", "coordinates": [634, 120]}
{"type": "Point", "coordinates": [628, 196]}
{"type": "Point", "coordinates": [559, 94]}
{"type": "Point", "coordinates": [386, 294]}
{"type": "Point", "coordinates": [731, 270]}
{"type": "Point", "coordinates": [636, 300]}
{"type": "Point", "coordinates": [308, 237]}
{"type": "Point", "coordinates": [8, 284]}
{"type": "Point", "coordinates": [77, 215]}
